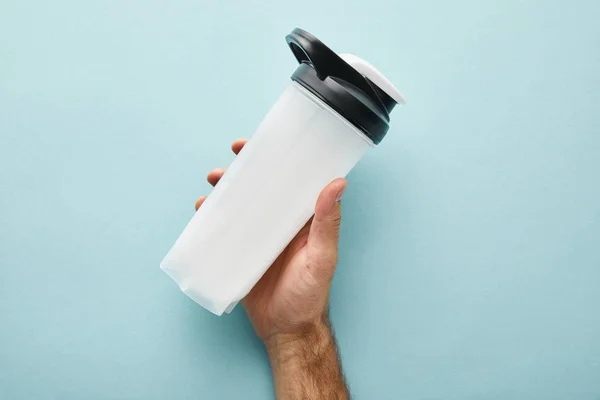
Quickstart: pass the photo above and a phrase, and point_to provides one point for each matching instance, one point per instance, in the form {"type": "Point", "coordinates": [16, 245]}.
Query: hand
{"type": "Point", "coordinates": [288, 305]}
{"type": "Point", "coordinates": [293, 295]}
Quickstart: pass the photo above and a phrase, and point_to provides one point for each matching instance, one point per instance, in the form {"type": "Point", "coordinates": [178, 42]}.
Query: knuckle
{"type": "Point", "coordinates": [323, 265]}
{"type": "Point", "coordinates": [337, 221]}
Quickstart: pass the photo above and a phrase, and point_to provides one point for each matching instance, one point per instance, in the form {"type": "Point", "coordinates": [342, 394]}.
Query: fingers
{"type": "Point", "coordinates": [325, 230]}
{"type": "Point", "coordinates": [215, 175]}
{"type": "Point", "coordinates": [237, 146]}
{"type": "Point", "coordinates": [213, 178]}
{"type": "Point", "coordinates": [199, 202]}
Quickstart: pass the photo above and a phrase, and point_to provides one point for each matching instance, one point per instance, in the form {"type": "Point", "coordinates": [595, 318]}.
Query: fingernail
{"type": "Point", "coordinates": [340, 194]}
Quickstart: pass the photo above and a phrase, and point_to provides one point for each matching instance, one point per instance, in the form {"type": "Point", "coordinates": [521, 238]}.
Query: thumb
{"type": "Point", "coordinates": [324, 232]}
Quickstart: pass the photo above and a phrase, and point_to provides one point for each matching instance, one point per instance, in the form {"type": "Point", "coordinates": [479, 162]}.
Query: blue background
{"type": "Point", "coordinates": [470, 266]}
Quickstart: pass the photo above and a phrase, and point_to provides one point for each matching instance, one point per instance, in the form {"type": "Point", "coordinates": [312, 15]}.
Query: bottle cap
{"type": "Point", "coordinates": [348, 84]}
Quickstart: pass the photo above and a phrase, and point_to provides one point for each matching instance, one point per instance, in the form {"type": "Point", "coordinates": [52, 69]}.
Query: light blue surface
{"type": "Point", "coordinates": [470, 260]}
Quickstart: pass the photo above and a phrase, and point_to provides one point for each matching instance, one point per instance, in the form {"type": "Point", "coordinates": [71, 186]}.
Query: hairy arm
{"type": "Point", "coordinates": [306, 365]}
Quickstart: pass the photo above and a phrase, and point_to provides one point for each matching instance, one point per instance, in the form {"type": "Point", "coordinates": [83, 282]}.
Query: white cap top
{"type": "Point", "coordinates": [374, 76]}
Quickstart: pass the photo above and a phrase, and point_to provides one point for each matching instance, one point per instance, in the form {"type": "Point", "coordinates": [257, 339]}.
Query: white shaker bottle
{"type": "Point", "coordinates": [333, 111]}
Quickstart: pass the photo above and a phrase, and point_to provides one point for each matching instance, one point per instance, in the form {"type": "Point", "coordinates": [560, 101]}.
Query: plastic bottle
{"type": "Point", "coordinates": [334, 110]}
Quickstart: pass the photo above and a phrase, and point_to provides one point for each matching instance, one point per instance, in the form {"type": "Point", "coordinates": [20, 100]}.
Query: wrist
{"type": "Point", "coordinates": [309, 339]}
{"type": "Point", "coordinates": [305, 364]}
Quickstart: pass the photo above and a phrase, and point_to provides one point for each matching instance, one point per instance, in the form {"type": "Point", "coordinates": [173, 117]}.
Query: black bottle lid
{"type": "Point", "coordinates": [350, 93]}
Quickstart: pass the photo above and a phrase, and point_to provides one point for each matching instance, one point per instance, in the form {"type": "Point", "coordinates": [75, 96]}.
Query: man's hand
{"type": "Point", "coordinates": [288, 306]}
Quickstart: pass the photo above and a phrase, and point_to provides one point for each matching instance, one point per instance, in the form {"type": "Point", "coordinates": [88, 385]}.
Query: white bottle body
{"type": "Point", "coordinates": [265, 197]}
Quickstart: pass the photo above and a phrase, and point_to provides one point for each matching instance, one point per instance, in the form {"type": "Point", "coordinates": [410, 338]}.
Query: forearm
{"type": "Point", "coordinates": [306, 365]}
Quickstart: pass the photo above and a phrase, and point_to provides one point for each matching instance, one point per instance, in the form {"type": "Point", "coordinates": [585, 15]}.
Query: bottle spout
{"type": "Point", "coordinates": [373, 74]}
